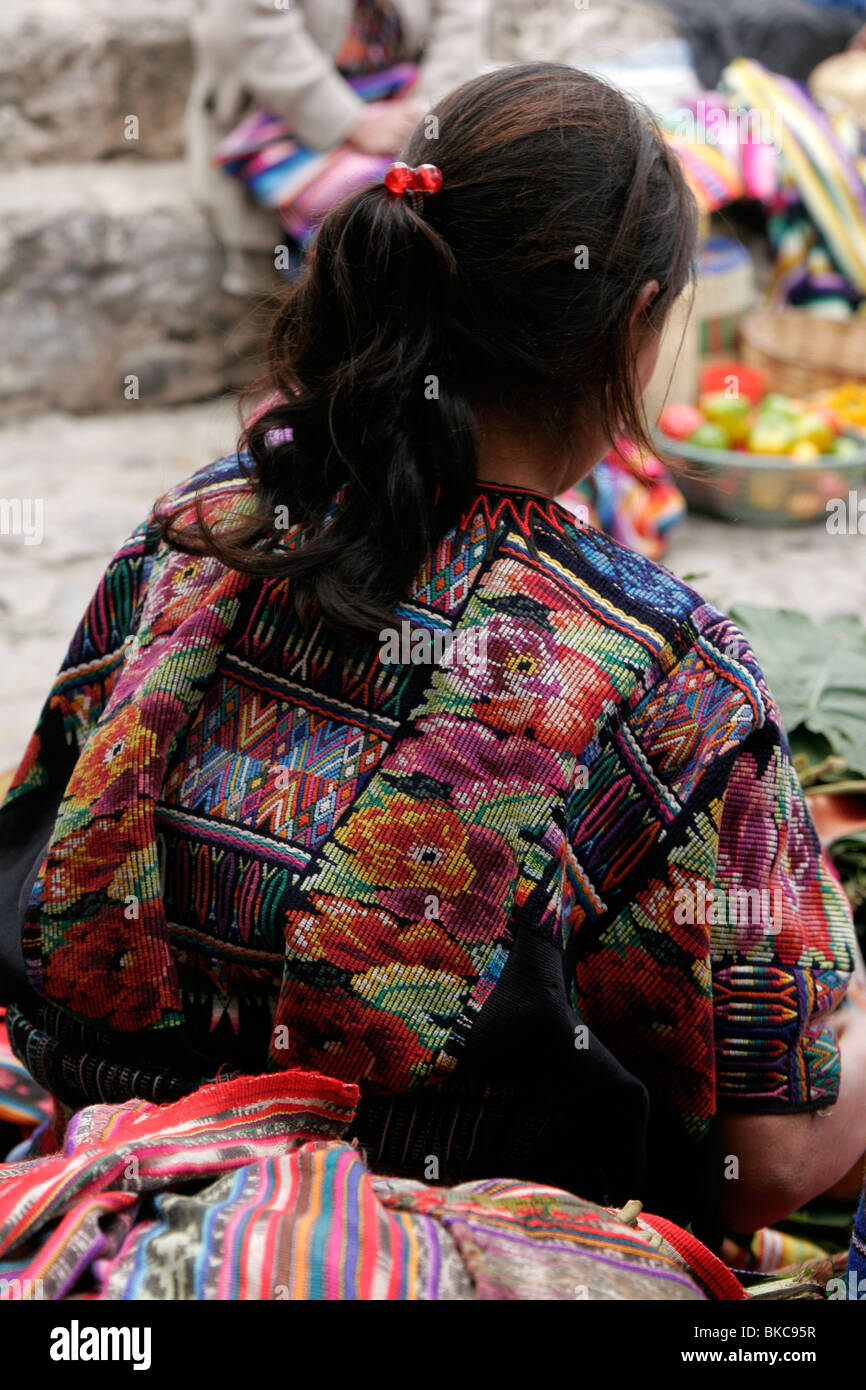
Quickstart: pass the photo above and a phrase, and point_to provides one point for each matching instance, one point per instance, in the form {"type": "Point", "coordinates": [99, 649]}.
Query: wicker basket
{"type": "Point", "coordinates": [724, 293]}
{"type": "Point", "coordinates": [800, 353]}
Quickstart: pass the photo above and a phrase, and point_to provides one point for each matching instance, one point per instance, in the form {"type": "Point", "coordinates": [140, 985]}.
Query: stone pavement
{"type": "Point", "coordinates": [97, 477]}
{"type": "Point", "coordinates": [801, 567]}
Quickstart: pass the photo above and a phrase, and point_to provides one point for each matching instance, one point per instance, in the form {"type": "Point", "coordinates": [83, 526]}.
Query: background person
{"type": "Point", "coordinates": [295, 59]}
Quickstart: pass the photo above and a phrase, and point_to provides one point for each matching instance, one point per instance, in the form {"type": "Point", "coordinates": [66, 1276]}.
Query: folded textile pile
{"type": "Point", "coordinates": [298, 182]}
{"type": "Point", "coordinates": [244, 1190]}
{"type": "Point", "coordinates": [817, 226]}
{"type": "Point", "coordinates": [632, 497]}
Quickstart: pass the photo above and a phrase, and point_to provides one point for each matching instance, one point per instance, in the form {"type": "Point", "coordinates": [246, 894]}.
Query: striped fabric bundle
{"type": "Point", "coordinates": [55, 1211]}
{"type": "Point", "coordinates": [244, 1190]}
{"type": "Point", "coordinates": [301, 183]}
{"type": "Point", "coordinates": [714, 178]}
{"type": "Point", "coordinates": [819, 176]}
{"type": "Point", "coordinates": [630, 496]}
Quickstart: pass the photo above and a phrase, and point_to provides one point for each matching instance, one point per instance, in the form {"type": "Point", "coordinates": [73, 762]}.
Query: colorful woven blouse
{"type": "Point", "coordinates": [548, 892]}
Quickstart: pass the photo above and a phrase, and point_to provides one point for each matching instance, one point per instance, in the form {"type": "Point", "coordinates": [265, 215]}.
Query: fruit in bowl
{"type": "Point", "coordinates": [680, 421]}
{"type": "Point", "coordinates": [774, 425]}
{"type": "Point", "coordinates": [709, 435]}
{"type": "Point", "coordinates": [814, 427]}
{"type": "Point", "coordinates": [771, 435]}
{"type": "Point", "coordinates": [770, 460]}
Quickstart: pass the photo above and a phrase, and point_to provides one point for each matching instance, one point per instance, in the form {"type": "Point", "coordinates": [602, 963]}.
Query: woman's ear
{"type": "Point", "coordinates": [646, 295]}
{"type": "Point", "coordinates": [645, 345]}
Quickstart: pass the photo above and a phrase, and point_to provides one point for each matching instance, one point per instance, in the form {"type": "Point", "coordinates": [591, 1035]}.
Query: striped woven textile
{"type": "Point", "coordinates": [23, 1102]}
{"type": "Point", "coordinates": [817, 169]}
{"type": "Point", "coordinates": [244, 1190]}
{"type": "Point", "coordinates": [630, 496]}
{"type": "Point", "coordinates": [714, 178]}
{"type": "Point", "coordinates": [298, 182]}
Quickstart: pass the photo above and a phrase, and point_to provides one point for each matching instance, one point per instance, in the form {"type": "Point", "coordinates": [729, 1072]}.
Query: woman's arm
{"type": "Point", "coordinates": [786, 1160]}
{"type": "Point", "coordinates": [278, 61]}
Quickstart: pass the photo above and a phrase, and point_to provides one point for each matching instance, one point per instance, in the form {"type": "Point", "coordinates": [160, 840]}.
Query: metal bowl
{"type": "Point", "coordinates": [763, 489]}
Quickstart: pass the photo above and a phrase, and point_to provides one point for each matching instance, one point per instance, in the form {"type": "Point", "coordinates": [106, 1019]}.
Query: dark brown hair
{"type": "Point", "coordinates": [408, 318]}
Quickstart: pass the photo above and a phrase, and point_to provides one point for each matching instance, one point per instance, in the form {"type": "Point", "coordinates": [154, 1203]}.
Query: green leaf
{"type": "Point", "coordinates": [812, 748]}
{"type": "Point", "coordinates": [817, 673]}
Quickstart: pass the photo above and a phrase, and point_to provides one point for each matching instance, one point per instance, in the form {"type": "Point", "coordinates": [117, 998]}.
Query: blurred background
{"type": "Point", "coordinates": [137, 275]}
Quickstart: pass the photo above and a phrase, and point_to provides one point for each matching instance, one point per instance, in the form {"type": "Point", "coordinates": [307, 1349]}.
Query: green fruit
{"type": "Point", "coordinates": [773, 436]}
{"type": "Point", "coordinates": [847, 448]}
{"type": "Point", "coordinates": [776, 404]}
{"type": "Point", "coordinates": [813, 428]}
{"type": "Point", "coordinates": [730, 413]}
{"type": "Point", "coordinates": [709, 436]}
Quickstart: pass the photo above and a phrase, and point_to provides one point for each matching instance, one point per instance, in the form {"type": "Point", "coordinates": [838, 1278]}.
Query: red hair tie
{"type": "Point", "coordinates": [401, 178]}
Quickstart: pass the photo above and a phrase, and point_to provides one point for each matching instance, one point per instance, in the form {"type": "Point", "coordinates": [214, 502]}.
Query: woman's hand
{"type": "Point", "coordinates": [383, 126]}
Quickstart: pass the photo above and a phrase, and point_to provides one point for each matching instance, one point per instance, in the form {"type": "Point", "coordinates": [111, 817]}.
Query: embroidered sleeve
{"type": "Point", "coordinates": [781, 939]}
{"type": "Point", "coordinates": [711, 938]}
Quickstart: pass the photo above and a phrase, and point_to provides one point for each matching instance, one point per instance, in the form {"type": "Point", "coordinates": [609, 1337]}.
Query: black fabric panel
{"type": "Point", "coordinates": [82, 1066]}
{"type": "Point", "coordinates": [525, 1102]}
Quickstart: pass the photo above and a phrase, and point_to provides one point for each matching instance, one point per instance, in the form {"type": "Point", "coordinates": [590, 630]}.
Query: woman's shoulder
{"type": "Point", "coordinates": [645, 587]}
{"type": "Point", "coordinates": [228, 478]}
{"type": "Point", "coordinates": [658, 638]}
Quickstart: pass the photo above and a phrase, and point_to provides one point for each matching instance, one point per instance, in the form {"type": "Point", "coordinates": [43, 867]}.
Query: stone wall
{"type": "Point", "coordinates": [110, 277]}
{"type": "Point", "coordinates": [72, 70]}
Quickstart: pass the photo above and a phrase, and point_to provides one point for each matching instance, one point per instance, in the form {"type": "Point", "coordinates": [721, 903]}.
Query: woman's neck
{"type": "Point", "coordinates": [529, 458]}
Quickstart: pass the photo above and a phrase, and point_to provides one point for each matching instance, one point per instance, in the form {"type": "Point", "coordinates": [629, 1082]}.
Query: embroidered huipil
{"type": "Point", "coordinates": [552, 909]}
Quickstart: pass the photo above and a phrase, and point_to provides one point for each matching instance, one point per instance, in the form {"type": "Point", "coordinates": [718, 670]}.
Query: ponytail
{"type": "Point", "coordinates": [370, 414]}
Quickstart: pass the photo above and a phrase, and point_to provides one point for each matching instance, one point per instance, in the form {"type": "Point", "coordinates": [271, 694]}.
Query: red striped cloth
{"type": "Point", "coordinates": [260, 1198]}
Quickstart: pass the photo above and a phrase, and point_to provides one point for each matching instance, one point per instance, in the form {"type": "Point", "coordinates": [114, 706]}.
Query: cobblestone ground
{"type": "Point", "coordinates": [97, 477]}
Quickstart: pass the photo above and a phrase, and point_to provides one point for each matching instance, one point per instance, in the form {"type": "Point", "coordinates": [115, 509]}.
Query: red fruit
{"type": "Point", "coordinates": [829, 415]}
{"type": "Point", "coordinates": [719, 376]}
{"type": "Point", "coordinates": [680, 421]}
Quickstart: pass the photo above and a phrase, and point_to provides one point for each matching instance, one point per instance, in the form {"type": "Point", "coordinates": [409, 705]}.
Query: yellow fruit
{"type": "Point", "coordinates": [813, 428]}
{"type": "Point", "coordinates": [803, 505]}
{"type": "Point", "coordinates": [770, 437]}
